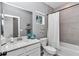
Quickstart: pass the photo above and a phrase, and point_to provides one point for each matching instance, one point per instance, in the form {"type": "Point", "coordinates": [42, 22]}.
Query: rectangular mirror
{"type": "Point", "coordinates": [16, 22]}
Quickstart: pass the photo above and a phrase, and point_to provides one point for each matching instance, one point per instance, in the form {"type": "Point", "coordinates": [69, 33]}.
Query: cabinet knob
{"type": "Point", "coordinates": [0, 53]}
{"type": "Point", "coordinates": [4, 53]}
{"type": "Point", "coordinates": [27, 55]}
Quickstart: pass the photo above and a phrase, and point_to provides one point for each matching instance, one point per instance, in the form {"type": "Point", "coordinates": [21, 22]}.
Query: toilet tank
{"type": "Point", "coordinates": [43, 41]}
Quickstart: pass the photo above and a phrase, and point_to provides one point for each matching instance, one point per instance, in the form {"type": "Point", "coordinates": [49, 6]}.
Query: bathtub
{"type": "Point", "coordinates": [67, 49]}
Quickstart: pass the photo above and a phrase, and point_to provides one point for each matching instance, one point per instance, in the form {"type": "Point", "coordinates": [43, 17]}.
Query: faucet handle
{"type": "Point", "coordinates": [1, 54]}
{"type": "Point", "coordinates": [4, 53]}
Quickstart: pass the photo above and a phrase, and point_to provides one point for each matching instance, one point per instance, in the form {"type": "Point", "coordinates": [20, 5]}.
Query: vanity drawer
{"type": "Point", "coordinates": [23, 50]}
{"type": "Point", "coordinates": [31, 47]}
{"type": "Point", "coordinates": [33, 52]}
{"type": "Point", "coordinates": [16, 52]}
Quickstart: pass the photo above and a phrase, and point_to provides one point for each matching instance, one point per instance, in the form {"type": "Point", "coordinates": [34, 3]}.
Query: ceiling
{"type": "Point", "coordinates": [55, 4]}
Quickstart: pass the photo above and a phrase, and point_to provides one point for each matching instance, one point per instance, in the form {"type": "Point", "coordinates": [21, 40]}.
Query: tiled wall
{"type": "Point", "coordinates": [69, 25]}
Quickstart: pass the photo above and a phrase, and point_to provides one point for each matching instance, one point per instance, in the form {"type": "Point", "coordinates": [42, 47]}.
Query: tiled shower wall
{"type": "Point", "coordinates": [69, 25]}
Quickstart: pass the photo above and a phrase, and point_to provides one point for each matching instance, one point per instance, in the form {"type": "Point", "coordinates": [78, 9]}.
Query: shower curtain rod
{"type": "Point", "coordinates": [66, 8]}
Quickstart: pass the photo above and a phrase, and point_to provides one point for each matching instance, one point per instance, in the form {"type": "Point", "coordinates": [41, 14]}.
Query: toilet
{"type": "Point", "coordinates": [48, 50]}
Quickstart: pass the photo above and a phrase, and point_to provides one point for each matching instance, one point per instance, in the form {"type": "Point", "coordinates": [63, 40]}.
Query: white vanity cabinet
{"type": "Point", "coordinates": [30, 50]}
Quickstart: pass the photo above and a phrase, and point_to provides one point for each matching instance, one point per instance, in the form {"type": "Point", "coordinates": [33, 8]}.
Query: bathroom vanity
{"type": "Point", "coordinates": [13, 43]}
{"type": "Point", "coordinates": [14, 29]}
{"type": "Point", "coordinates": [24, 47]}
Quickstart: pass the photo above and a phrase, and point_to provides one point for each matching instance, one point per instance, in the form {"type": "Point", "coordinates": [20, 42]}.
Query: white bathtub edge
{"type": "Point", "coordinates": [67, 49]}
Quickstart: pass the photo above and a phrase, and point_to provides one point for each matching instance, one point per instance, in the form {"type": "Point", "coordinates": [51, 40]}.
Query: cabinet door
{"type": "Point", "coordinates": [26, 51]}
{"type": "Point", "coordinates": [16, 52]}
{"type": "Point", "coordinates": [31, 47]}
{"type": "Point", "coordinates": [33, 52]}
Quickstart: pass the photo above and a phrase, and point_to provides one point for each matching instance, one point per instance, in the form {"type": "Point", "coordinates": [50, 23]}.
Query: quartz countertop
{"type": "Point", "coordinates": [19, 44]}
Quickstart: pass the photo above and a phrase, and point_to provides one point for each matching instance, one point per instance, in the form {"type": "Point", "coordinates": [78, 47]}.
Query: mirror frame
{"type": "Point", "coordinates": [3, 15]}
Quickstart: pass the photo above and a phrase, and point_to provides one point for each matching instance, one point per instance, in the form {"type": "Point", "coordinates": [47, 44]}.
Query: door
{"type": "Point", "coordinates": [15, 27]}
{"type": "Point", "coordinates": [53, 30]}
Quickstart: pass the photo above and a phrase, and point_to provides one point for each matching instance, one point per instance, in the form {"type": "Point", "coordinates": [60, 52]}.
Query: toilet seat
{"type": "Point", "coordinates": [50, 49]}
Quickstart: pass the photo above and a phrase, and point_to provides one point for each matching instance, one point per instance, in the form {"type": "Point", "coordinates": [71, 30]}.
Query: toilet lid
{"type": "Point", "coordinates": [49, 48]}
